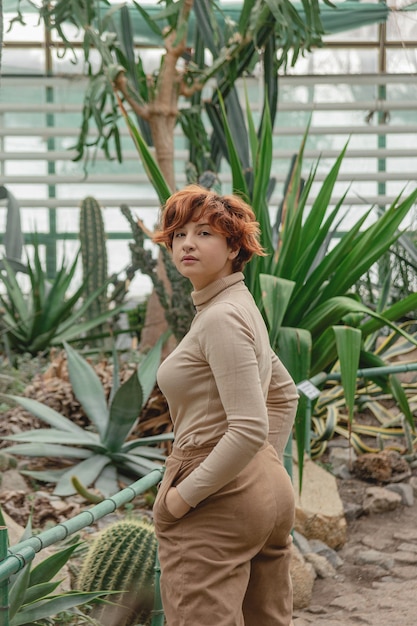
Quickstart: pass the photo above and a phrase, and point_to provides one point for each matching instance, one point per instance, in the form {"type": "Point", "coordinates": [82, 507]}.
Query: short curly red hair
{"type": "Point", "coordinates": [228, 215]}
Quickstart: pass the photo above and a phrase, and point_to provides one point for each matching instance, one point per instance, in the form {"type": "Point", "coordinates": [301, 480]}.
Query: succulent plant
{"type": "Point", "coordinates": [122, 558]}
{"type": "Point", "coordinates": [105, 453]}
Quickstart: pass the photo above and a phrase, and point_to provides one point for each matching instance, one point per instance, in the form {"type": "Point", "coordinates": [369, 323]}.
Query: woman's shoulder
{"type": "Point", "coordinates": [231, 313]}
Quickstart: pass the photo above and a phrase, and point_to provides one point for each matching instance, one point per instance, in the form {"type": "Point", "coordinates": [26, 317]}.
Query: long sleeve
{"type": "Point", "coordinates": [281, 404]}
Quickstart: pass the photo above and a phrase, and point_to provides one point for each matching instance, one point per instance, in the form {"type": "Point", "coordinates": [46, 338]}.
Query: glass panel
{"type": "Point", "coordinates": [337, 61]}
{"type": "Point", "coordinates": [22, 61]}
{"type": "Point", "coordinates": [401, 60]}
{"type": "Point", "coordinates": [401, 26]}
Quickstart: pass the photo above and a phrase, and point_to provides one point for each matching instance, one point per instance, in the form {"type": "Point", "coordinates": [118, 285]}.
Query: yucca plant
{"type": "Point", "coordinates": [306, 289]}
{"type": "Point", "coordinates": [48, 312]}
{"type": "Point", "coordinates": [31, 592]}
{"type": "Point", "coordinates": [104, 454]}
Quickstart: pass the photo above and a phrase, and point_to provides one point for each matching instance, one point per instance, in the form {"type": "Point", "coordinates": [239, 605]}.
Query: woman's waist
{"type": "Point", "coordinates": [203, 450]}
{"type": "Point", "coordinates": [193, 450]}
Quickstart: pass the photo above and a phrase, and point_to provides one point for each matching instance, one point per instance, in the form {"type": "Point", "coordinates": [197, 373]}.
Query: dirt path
{"type": "Point", "coordinates": [377, 583]}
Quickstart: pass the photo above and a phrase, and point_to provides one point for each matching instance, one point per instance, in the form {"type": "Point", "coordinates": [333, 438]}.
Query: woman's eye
{"type": "Point", "coordinates": [176, 235]}
{"type": "Point", "coordinates": [205, 233]}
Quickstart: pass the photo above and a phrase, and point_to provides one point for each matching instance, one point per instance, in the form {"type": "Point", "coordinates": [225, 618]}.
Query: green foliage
{"type": "Point", "coordinates": [103, 454]}
{"type": "Point", "coordinates": [235, 44]}
{"type": "Point", "coordinates": [93, 255]}
{"type": "Point", "coordinates": [48, 312]}
{"type": "Point", "coordinates": [31, 591]}
{"type": "Point", "coordinates": [309, 283]}
{"type": "Point", "coordinates": [397, 273]}
{"type": "Point", "coordinates": [304, 287]}
{"type": "Point", "coordinates": [122, 558]}
{"type": "Point", "coordinates": [136, 318]}
{"type": "Point", "coordinates": [375, 415]}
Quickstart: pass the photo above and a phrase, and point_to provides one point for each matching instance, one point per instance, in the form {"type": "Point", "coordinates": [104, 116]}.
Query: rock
{"type": "Point", "coordinates": [413, 483]}
{"type": "Point", "coordinates": [381, 467]}
{"type": "Point", "coordinates": [352, 510]}
{"type": "Point", "coordinates": [408, 558]}
{"type": "Point", "coordinates": [407, 547]}
{"type": "Point", "coordinates": [302, 576]}
{"type": "Point", "coordinates": [380, 500]}
{"type": "Point", "coordinates": [407, 534]}
{"type": "Point", "coordinates": [301, 542]}
{"type": "Point", "coordinates": [341, 461]}
{"type": "Point", "coordinates": [350, 602]}
{"type": "Point", "coordinates": [322, 567]}
{"type": "Point", "coordinates": [319, 512]}
{"type": "Point", "coordinates": [319, 547]}
{"type": "Point", "coordinates": [405, 490]}
{"type": "Point", "coordinates": [374, 557]}
{"type": "Point", "coordinates": [376, 542]}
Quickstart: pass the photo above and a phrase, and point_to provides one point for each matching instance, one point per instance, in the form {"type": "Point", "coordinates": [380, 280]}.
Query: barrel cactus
{"type": "Point", "coordinates": [122, 558]}
{"type": "Point", "coordinates": [93, 253]}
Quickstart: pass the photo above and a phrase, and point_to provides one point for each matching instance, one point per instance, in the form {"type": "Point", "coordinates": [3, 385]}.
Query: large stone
{"type": "Point", "coordinates": [302, 576]}
{"type": "Point", "coordinates": [319, 510]}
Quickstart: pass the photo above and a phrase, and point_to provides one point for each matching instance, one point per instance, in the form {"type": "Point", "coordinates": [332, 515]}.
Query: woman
{"type": "Point", "coordinates": [225, 507]}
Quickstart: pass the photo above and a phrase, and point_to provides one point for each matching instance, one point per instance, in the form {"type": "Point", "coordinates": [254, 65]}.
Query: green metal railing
{"type": "Point", "coordinates": [13, 559]}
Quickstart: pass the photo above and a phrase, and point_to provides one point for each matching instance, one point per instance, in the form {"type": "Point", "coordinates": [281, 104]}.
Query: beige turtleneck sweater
{"type": "Point", "coordinates": [223, 383]}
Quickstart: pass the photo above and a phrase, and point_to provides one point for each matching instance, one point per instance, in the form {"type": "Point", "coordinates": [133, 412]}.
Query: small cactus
{"type": "Point", "coordinates": [122, 558]}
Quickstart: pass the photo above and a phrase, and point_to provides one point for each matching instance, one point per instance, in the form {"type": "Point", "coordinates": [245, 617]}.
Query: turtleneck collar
{"type": "Point", "coordinates": [203, 296]}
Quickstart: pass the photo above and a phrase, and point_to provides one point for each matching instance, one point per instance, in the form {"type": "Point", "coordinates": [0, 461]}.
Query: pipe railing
{"type": "Point", "coordinates": [13, 559]}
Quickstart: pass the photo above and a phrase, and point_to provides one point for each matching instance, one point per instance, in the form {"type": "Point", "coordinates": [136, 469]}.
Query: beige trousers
{"type": "Point", "coordinates": [227, 561]}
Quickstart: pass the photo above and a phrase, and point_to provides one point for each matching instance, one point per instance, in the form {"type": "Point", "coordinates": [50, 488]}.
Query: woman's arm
{"type": "Point", "coordinates": [281, 404]}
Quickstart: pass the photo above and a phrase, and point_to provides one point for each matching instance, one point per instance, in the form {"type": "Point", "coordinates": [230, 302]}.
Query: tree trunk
{"type": "Point", "coordinates": [162, 117]}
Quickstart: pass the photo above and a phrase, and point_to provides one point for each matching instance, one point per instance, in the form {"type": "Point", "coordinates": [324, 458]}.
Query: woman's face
{"type": "Point", "coordinates": [201, 254]}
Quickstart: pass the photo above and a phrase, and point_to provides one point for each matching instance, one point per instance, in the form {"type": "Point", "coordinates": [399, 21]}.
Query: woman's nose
{"type": "Point", "coordinates": [188, 243]}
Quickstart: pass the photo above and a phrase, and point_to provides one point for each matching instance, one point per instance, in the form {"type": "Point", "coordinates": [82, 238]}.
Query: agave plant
{"type": "Point", "coordinates": [104, 454]}
{"type": "Point", "coordinates": [389, 426]}
{"type": "Point", "coordinates": [31, 591]}
{"type": "Point", "coordinates": [47, 314]}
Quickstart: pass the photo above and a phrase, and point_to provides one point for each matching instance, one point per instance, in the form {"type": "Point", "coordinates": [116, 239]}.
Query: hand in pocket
{"type": "Point", "coordinates": [175, 504]}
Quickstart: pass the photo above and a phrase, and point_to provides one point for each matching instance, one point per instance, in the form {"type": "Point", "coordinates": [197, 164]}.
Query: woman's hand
{"type": "Point", "coordinates": [176, 505]}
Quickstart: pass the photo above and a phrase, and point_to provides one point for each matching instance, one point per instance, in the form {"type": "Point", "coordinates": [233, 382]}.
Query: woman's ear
{"type": "Point", "coordinates": [233, 254]}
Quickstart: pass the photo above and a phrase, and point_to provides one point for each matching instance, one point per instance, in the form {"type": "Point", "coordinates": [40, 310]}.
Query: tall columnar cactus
{"type": "Point", "coordinates": [93, 253]}
{"type": "Point", "coordinates": [122, 558]}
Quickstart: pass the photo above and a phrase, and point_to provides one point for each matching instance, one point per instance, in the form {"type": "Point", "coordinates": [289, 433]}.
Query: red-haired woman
{"type": "Point", "coordinates": [225, 507]}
